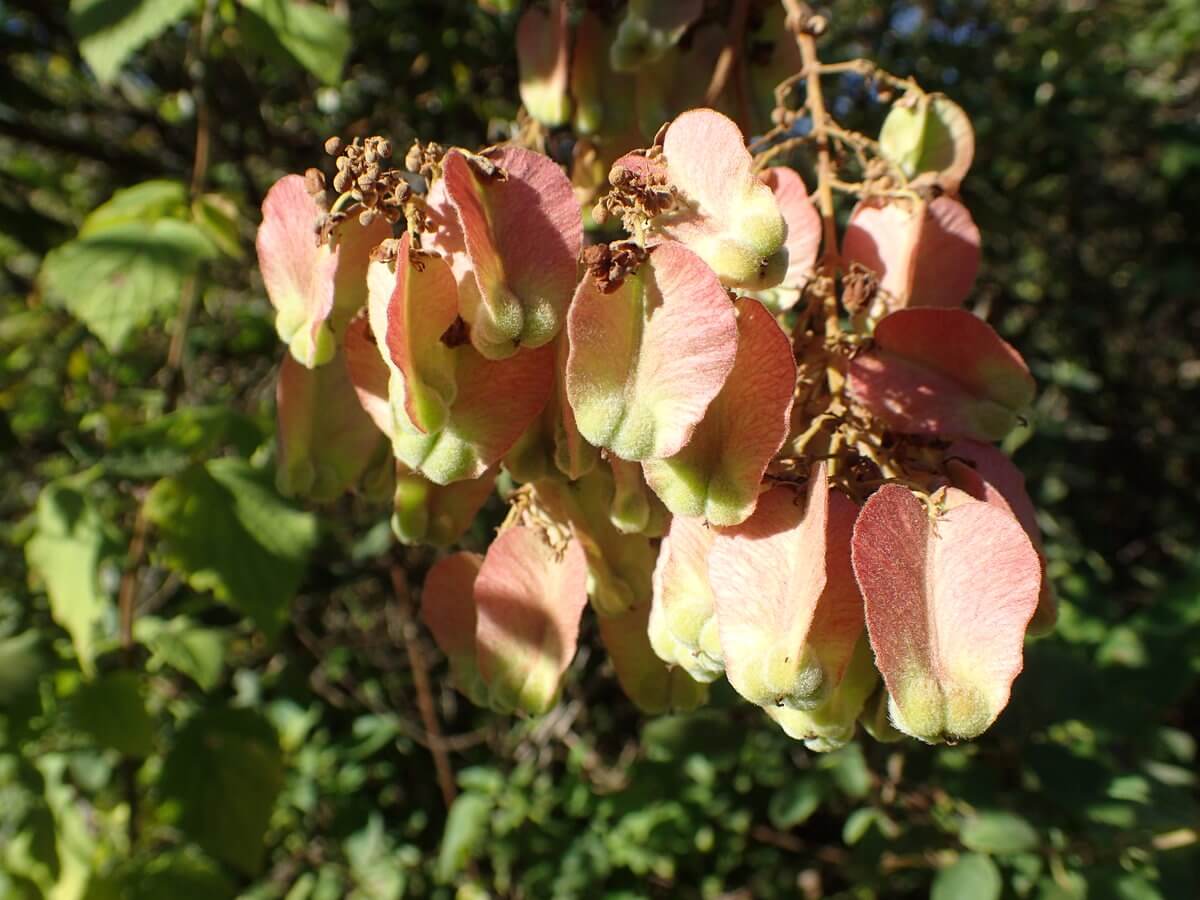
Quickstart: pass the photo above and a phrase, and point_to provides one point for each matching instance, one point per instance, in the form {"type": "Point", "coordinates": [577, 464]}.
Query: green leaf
{"type": "Point", "coordinates": [972, 876]}
{"type": "Point", "coordinates": [226, 529]}
{"type": "Point", "coordinates": [110, 31]}
{"type": "Point", "coordinates": [998, 833]}
{"type": "Point", "coordinates": [225, 772]}
{"type": "Point", "coordinates": [178, 875]}
{"type": "Point", "coordinates": [857, 824]}
{"type": "Point", "coordinates": [142, 204]}
{"type": "Point", "coordinates": [167, 444]}
{"type": "Point", "coordinates": [218, 216]}
{"type": "Point", "coordinates": [20, 664]}
{"type": "Point", "coordinates": [466, 828]}
{"type": "Point", "coordinates": [308, 34]}
{"type": "Point", "coordinates": [848, 768]}
{"type": "Point", "coordinates": [795, 802]}
{"type": "Point", "coordinates": [179, 643]}
{"type": "Point", "coordinates": [112, 712]}
{"type": "Point", "coordinates": [125, 276]}
{"type": "Point", "coordinates": [64, 553]}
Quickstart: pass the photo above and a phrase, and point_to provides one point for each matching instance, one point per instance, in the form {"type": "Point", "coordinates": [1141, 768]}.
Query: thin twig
{"type": "Point", "coordinates": [412, 646]}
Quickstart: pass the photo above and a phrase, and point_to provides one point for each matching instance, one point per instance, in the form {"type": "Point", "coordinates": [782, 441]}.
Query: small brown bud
{"type": "Point", "coordinates": [366, 217]}
{"type": "Point", "coordinates": [314, 182]}
{"type": "Point", "coordinates": [343, 181]}
{"type": "Point", "coordinates": [412, 159]}
{"type": "Point", "coordinates": [333, 146]}
{"type": "Point", "coordinates": [384, 148]}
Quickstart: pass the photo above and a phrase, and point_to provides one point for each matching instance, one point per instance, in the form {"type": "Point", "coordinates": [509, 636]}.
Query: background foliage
{"type": "Point", "coordinates": [256, 734]}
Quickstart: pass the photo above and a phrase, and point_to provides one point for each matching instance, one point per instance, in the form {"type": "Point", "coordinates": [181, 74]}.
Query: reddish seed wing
{"type": "Point", "coordinates": [947, 605]}
{"type": "Point", "coordinates": [726, 215]}
{"type": "Point", "coordinates": [716, 476]}
{"type": "Point", "coordinates": [837, 622]}
{"type": "Point", "coordinates": [683, 598]}
{"type": "Point", "coordinates": [448, 602]}
{"type": "Point", "coordinates": [448, 610]}
{"type": "Point", "coordinates": [942, 372]}
{"type": "Point", "coordinates": [542, 63]}
{"type": "Point", "coordinates": [803, 234]}
{"type": "Point", "coordinates": [920, 262]}
{"type": "Point", "coordinates": [529, 600]}
{"type": "Point", "coordinates": [987, 474]}
{"type": "Point", "coordinates": [647, 359]}
{"type": "Point", "coordinates": [428, 513]}
{"type": "Point", "coordinates": [314, 289]}
{"type": "Point", "coordinates": [312, 405]}
{"type": "Point", "coordinates": [767, 577]}
{"type": "Point", "coordinates": [369, 374]}
{"type": "Point", "coordinates": [413, 301]}
{"type": "Point", "coordinates": [521, 236]}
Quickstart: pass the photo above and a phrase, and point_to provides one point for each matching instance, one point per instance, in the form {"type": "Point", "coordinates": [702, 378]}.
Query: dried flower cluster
{"type": "Point", "coordinates": [759, 450]}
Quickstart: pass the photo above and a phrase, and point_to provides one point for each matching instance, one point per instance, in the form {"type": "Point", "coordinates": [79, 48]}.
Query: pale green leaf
{"type": "Point", "coordinates": [141, 204]}
{"type": "Point", "coordinates": [217, 215]}
{"type": "Point", "coordinates": [195, 651]}
{"type": "Point", "coordinates": [793, 803]}
{"type": "Point", "coordinates": [64, 553]}
{"type": "Point", "coordinates": [466, 829]}
{"type": "Point", "coordinates": [310, 35]}
{"type": "Point", "coordinates": [20, 664]}
{"type": "Point", "coordinates": [998, 833]}
{"type": "Point", "coordinates": [226, 529]}
{"type": "Point", "coordinates": [110, 31]}
{"type": "Point", "coordinates": [225, 772]}
{"type": "Point", "coordinates": [120, 278]}
{"type": "Point", "coordinates": [971, 876]}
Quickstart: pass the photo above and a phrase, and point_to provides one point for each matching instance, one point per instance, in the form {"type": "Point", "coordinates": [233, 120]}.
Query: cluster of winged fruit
{"type": "Point", "coordinates": [756, 456]}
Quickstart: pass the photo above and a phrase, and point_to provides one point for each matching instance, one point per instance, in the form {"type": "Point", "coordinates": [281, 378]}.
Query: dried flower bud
{"type": "Point", "coordinates": [333, 146]}
{"type": "Point", "coordinates": [314, 182]}
{"type": "Point", "coordinates": [342, 181]}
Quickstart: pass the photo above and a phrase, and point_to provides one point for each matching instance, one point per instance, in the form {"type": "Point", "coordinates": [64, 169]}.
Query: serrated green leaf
{"type": "Point", "coordinates": [998, 833]}
{"type": "Point", "coordinates": [226, 529]}
{"type": "Point", "coordinates": [110, 31]}
{"type": "Point", "coordinates": [310, 35]}
{"type": "Point", "coordinates": [123, 277]}
{"type": "Point", "coordinates": [225, 772]}
{"type": "Point", "coordinates": [141, 204]}
{"type": "Point", "coordinates": [112, 711]}
{"type": "Point", "coordinates": [795, 802]}
{"type": "Point", "coordinates": [186, 647]}
{"type": "Point", "coordinates": [65, 554]}
{"type": "Point", "coordinates": [466, 828]}
{"type": "Point", "coordinates": [972, 876]}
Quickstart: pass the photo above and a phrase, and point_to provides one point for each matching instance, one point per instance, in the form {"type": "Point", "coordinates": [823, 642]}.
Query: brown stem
{"type": "Point", "coordinates": [730, 63]}
{"type": "Point", "coordinates": [425, 705]}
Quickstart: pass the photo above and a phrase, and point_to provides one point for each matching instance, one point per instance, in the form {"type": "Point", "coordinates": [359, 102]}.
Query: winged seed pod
{"type": "Point", "coordinates": [315, 287]}
{"type": "Point", "coordinates": [925, 254]}
{"type": "Point", "coordinates": [785, 639]}
{"type": "Point", "coordinates": [947, 604]}
{"type": "Point", "coordinates": [508, 224]}
{"type": "Point", "coordinates": [929, 133]}
{"type": "Point", "coordinates": [942, 372]}
{"type": "Point", "coordinates": [310, 404]}
{"type": "Point", "coordinates": [683, 609]}
{"type": "Point", "coordinates": [542, 52]}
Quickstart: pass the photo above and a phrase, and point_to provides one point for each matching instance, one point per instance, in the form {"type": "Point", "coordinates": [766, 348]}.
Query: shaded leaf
{"type": "Point", "coordinates": [308, 33]}
{"type": "Point", "coordinates": [112, 712]}
{"type": "Point", "coordinates": [110, 31]}
{"type": "Point", "coordinates": [998, 833]}
{"type": "Point", "coordinates": [970, 876]}
{"type": "Point", "coordinates": [225, 772]}
{"type": "Point", "coordinates": [226, 530]}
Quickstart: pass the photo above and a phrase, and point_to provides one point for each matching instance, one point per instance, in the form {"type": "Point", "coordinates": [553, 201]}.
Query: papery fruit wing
{"type": "Point", "coordinates": [315, 289]}
{"type": "Point", "coordinates": [803, 235]}
{"type": "Point", "coordinates": [529, 597]}
{"type": "Point", "coordinates": [428, 513]}
{"type": "Point", "coordinates": [767, 576]}
{"type": "Point", "coordinates": [683, 598]}
{"type": "Point", "coordinates": [987, 474]}
{"type": "Point", "coordinates": [448, 610]}
{"type": "Point", "coordinates": [942, 372]}
{"type": "Point", "coordinates": [929, 133]}
{"type": "Point", "coordinates": [716, 476]}
{"type": "Point", "coordinates": [522, 232]}
{"type": "Point", "coordinates": [312, 405]}
{"type": "Point", "coordinates": [413, 302]}
{"type": "Point", "coordinates": [727, 215]}
{"type": "Point", "coordinates": [947, 605]}
{"type": "Point", "coordinates": [648, 358]}
{"type": "Point", "coordinates": [542, 53]}
{"type": "Point", "coordinates": [928, 259]}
